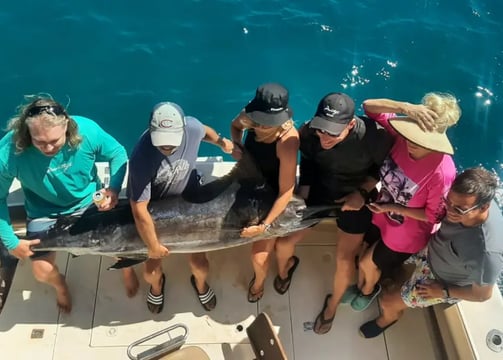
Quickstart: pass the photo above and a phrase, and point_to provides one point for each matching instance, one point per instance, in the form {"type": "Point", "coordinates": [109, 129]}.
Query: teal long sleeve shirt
{"type": "Point", "coordinates": [60, 184]}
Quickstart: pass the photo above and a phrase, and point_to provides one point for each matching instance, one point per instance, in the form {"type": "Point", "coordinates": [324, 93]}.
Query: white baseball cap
{"type": "Point", "coordinates": [167, 124]}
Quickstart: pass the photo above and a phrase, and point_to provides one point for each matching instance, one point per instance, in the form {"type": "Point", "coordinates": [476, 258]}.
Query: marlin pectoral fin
{"type": "Point", "coordinates": [126, 262]}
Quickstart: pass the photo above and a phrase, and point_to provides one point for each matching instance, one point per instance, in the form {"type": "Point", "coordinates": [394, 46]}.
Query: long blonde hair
{"type": "Point", "coordinates": [20, 123]}
{"type": "Point", "coordinates": [266, 135]}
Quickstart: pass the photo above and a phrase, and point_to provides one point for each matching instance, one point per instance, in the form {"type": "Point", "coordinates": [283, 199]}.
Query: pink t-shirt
{"type": "Point", "coordinates": [413, 183]}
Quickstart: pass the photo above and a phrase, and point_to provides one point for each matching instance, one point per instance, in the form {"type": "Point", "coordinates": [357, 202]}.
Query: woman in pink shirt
{"type": "Point", "coordinates": [414, 178]}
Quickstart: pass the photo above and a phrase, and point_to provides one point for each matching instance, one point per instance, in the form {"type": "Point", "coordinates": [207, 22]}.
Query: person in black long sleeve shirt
{"type": "Point", "coordinates": [340, 158]}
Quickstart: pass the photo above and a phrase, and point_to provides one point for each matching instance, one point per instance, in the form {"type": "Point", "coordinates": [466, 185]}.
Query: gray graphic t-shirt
{"type": "Point", "coordinates": [465, 255]}
{"type": "Point", "coordinates": [154, 176]}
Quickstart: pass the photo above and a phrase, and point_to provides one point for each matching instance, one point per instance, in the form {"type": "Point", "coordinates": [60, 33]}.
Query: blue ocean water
{"type": "Point", "coordinates": [113, 60]}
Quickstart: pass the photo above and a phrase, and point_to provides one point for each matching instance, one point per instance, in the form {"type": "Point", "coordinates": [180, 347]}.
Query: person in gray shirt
{"type": "Point", "coordinates": [463, 258]}
{"type": "Point", "coordinates": [162, 164]}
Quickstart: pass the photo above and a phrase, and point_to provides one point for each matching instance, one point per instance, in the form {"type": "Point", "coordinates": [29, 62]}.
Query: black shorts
{"type": "Point", "coordinates": [383, 257]}
{"type": "Point", "coordinates": [351, 222]}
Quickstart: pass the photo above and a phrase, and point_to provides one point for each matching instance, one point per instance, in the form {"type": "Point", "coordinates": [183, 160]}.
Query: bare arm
{"type": "Point", "coordinates": [212, 137]}
{"type": "Point", "coordinates": [424, 117]}
{"type": "Point", "coordinates": [146, 228]}
{"type": "Point", "coordinates": [471, 293]}
{"type": "Point", "coordinates": [237, 129]}
{"type": "Point", "coordinates": [287, 154]}
{"type": "Point", "coordinates": [355, 201]}
{"type": "Point", "coordinates": [474, 292]}
{"type": "Point", "coordinates": [414, 213]}
{"type": "Point", "coordinates": [377, 106]}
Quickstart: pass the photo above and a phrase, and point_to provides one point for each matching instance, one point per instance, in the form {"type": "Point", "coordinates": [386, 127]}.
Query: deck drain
{"type": "Point", "coordinates": [494, 340]}
{"type": "Point", "coordinates": [37, 333]}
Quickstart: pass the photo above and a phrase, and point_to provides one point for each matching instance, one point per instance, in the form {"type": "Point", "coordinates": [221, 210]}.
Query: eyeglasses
{"type": "Point", "coordinates": [49, 109]}
{"type": "Point", "coordinates": [324, 132]}
{"type": "Point", "coordinates": [457, 209]}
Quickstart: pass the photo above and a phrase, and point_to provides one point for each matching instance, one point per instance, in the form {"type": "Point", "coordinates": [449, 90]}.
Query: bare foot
{"type": "Point", "coordinates": [63, 298]}
{"type": "Point", "coordinates": [130, 281]}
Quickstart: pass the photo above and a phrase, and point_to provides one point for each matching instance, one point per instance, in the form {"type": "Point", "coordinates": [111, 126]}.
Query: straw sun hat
{"type": "Point", "coordinates": [435, 140]}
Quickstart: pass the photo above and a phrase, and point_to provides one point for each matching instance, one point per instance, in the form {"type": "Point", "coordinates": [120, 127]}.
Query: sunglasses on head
{"type": "Point", "coordinates": [457, 209]}
{"type": "Point", "coordinates": [49, 109]}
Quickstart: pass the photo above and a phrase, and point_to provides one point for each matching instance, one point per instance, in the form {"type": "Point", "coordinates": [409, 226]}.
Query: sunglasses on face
{"type": "Point", "coordinates": [260, 126]}
{"type": "Point", "coordinates": [49, 109]}
{"type": "Point", "coordinates": [324, 132]}
{"type": "Point", "coordinates": [457, 209]}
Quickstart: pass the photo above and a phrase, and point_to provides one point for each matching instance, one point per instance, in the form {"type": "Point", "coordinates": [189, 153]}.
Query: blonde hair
{"type": "Point", "coordinates": [20, 123]}
{"type": "Point", "coordinates": [266, 135]}
{"type": "Point", "coordinates": [445, 106]}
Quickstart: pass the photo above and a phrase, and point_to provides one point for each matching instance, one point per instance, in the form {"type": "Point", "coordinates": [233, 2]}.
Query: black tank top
{"type": "Point", "coordinates": [265, 157]}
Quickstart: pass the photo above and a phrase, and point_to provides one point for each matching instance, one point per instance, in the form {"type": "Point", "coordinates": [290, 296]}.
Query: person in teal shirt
{"type": "Point", "coordinates": [53, 156]}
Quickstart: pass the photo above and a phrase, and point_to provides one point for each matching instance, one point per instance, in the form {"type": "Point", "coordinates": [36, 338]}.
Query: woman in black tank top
{"type": "Point", "coordinates": [273, 142]}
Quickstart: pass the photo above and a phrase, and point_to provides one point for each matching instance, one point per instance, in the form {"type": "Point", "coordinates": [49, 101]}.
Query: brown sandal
{"type": "Point", "coordinates": [321, 322]}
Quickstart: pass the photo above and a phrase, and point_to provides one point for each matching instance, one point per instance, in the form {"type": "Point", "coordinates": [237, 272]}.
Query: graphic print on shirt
{"type": "Point", "coordinates": [396, 187]}
{"type": "Point", "coordinates": [60, 168]}
{"type": "Point", "coordinates": [169, 175]}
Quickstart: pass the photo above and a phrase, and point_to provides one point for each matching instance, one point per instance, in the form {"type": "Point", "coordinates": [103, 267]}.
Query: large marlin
{"type": "Point", "coordinates": [209, 217]}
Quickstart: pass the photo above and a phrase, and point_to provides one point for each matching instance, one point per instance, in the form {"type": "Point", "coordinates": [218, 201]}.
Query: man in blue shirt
{"type": "Point", "coordinates": [162, 164]}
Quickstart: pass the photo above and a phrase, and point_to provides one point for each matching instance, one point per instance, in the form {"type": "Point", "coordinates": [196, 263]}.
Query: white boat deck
{"type": "Point", "coordinates": [104, 321]}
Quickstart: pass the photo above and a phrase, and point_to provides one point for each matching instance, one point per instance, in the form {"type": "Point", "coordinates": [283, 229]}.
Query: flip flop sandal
{"type": "Point", "coordinates": [282, 285]}
{"type": "Point", "coordinates": [254, 297]}
{"type": "Point", "coordinates": [208, 300]}
{"type": "Point", "coordinates": [323, 325]}
{"type": "Point", "coordinates": [155, 303]}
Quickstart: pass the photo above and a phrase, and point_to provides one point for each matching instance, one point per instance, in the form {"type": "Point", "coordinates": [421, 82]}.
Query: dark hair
{"type": "Point", "coordinates": [478, 182]}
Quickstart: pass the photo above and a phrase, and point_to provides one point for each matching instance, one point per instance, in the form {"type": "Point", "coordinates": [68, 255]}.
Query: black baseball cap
{"type": "Point", "coordinates": [269, 107]}
{"type": "Point", "coordinates": [334, 113]}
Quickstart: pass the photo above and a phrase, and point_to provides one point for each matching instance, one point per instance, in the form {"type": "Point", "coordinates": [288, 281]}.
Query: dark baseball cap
{"type": "Point", "coordinates": [334, 113]}
{"type": "Point", "coordinates": [269, 107]}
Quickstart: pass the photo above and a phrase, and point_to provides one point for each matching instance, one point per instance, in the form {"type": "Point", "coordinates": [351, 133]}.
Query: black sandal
{"type": "Point", "coordinates": [370, 329]}
{"type": "Point", "coordinates": [254, 297]}
{"type": "Point", "coordinates": [282, 285]}
{"type": "Point", "coordinates": [320, 321]}
{"type": "Point", "coordinates": [155, 303]}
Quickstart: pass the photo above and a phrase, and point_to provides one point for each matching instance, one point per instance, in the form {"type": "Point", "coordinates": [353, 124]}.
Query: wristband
{"type": "Point", "coordinates": [266, 226]}
{"type": "Point", "coordinates": [445, 291]}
